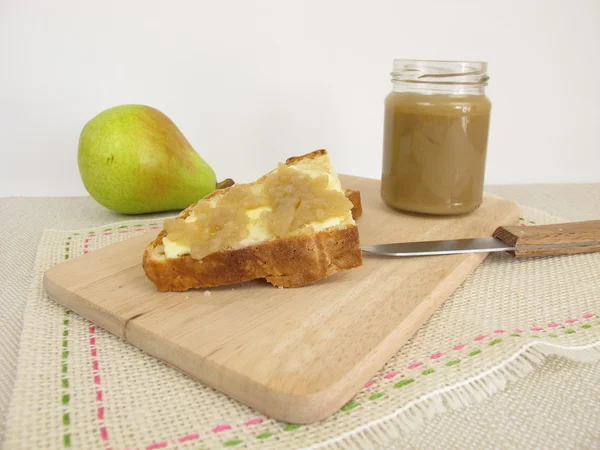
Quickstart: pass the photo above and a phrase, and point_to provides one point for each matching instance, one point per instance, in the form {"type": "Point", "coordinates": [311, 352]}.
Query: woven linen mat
{"type": "Point", "coordinates": [80, 387]}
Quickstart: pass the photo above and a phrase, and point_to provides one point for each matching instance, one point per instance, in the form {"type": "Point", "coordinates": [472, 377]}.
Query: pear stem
{"type": "Point", "coordinates": [228, 182]}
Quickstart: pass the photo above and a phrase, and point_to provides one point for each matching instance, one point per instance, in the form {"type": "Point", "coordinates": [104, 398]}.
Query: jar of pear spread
{"type": "Point", "coordinates": [436, 126]}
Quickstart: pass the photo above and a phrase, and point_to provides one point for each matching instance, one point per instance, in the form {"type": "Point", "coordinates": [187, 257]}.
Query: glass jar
{"type": "Point", "coordinates": [435, 137]}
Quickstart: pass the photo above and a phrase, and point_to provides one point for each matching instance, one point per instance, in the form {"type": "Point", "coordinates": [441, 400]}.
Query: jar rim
{"type": "Point", "coordinates": [440, 71]}
{"type": "Point", "coordinates": [460, 61]}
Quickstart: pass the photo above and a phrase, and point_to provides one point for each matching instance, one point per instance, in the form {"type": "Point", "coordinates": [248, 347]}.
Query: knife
{"type": "Point", "coordinates": [540, 240]}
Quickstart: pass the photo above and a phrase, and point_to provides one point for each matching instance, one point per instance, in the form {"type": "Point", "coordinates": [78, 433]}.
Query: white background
{"type": "Point", "coordinates": [250, 83]}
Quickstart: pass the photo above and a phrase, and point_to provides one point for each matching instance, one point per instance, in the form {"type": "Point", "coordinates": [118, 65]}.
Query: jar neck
{"type": "Point", "coordinates": [440, 77]}
{"type": "Point", "coordinates": [438, 88]}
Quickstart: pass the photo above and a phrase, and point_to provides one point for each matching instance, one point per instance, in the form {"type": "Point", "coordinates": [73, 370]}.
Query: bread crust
{"type": "Point", "coordinates": [288, 262]}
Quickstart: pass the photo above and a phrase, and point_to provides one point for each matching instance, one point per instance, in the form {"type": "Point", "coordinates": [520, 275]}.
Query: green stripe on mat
{"type": "Point", "coordinates": [64, 382]}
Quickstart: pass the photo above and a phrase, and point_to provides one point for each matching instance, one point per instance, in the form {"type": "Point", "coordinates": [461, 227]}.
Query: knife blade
{"type": "Point", "coordinates": [457, 246]}
{"type": "Point", "coordinates": [541, 240]}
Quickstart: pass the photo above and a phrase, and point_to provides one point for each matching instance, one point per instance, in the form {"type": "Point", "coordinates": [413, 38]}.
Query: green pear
{"type": "Point", "coordinates": [133, 159]}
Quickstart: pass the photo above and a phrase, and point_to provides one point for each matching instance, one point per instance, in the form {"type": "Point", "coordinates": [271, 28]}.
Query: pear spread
{"type": "Point", "coordinates": [289, 200]}
{"type": "Point", "coordinates": [434, 152]}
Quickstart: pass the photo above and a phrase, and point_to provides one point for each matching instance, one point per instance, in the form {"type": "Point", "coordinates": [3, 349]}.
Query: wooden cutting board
{"type": "Point", "coordinates": [297, 355]}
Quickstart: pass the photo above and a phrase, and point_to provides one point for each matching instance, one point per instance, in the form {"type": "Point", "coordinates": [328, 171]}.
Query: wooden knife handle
{"type": "Point", "coordinates": [561, 233]}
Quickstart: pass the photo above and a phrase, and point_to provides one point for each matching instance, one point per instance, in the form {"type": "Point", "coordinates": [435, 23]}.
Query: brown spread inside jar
{"type": "Point", "coordinates": [435, 142]}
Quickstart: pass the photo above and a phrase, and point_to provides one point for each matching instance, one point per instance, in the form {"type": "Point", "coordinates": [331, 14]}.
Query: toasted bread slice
{"type": "Point", "coordinates": [293, 226]}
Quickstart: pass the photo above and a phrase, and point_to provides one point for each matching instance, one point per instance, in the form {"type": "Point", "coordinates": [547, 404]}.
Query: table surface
{"type": "Point", "coordinates": [490, 423]}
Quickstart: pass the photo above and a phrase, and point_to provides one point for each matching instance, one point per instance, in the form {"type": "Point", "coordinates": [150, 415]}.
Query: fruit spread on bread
{"type": "Point", "coordinates": [292, 227]}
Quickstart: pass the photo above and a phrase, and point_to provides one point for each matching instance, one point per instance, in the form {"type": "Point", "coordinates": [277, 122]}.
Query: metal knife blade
{"type": "Point", "coordinates": [450, 247]}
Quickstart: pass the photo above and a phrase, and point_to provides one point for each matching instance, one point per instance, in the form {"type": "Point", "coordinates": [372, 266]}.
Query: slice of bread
{"type": "Point", "coordinates": [291, 227]}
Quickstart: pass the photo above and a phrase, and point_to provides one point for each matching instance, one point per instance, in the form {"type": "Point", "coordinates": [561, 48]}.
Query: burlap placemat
{"type": "Point", "coordinates": [80, 387]}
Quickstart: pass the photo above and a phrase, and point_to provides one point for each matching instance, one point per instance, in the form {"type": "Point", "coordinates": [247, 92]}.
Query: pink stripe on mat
{"type": "Point", "coordinates": [98, 382]}
{"type": "Point", "coordinates": [189, 437]}
{"type": "Point", "coordinates": [254, 421]}
{"type": "Point", "coordinates": [157, 445]}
